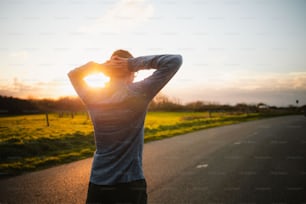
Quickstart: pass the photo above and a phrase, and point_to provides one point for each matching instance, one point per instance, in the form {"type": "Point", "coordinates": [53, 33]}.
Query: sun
{"type": "Point", "coordinates": [97, 80]}
{"type": "Point", "coordinates": [100, 80]}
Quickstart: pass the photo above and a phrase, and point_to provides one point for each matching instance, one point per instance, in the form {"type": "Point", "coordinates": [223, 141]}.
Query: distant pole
{"type": "Point", "coordinates": [47, 120]}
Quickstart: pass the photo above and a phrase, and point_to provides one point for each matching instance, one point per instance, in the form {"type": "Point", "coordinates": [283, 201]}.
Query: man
{"type": "Point", "coordinates": [118, 112]}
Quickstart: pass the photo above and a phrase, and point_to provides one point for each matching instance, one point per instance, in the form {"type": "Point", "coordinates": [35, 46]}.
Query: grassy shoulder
{"type": "Point", "coordinates": [28, 144]}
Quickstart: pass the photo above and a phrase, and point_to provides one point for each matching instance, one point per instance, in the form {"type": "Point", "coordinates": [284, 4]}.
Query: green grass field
{"type": "Point", "coordinates": [27, 143]}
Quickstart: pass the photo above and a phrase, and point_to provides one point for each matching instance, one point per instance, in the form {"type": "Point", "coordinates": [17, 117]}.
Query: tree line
{"type": "Point", "coordinates": [11, 105]}
{"type": "Point", "coordinates": [15, 106]}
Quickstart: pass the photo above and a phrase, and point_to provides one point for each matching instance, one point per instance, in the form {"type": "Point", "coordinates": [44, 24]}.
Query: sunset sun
{"type": "Point", "coordinates": [97, 80]}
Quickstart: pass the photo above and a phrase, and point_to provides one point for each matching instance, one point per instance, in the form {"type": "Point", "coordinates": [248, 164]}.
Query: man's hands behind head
{"type": "Point", "coordinates": [116, 67]}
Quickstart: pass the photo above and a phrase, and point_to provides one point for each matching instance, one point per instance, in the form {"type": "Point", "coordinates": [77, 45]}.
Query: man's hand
{"type": "Point", "coordinates": [116, 66]}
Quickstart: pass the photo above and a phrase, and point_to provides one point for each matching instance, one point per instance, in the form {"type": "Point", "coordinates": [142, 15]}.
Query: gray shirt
{"type": "Point", "coordinates": [118, 115]}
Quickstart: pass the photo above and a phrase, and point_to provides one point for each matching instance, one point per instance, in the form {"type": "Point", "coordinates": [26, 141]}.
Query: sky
{"type": "Point", "coordinates": [234, 51]}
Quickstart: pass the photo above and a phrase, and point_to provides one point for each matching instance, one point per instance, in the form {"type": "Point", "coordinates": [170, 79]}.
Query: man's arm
{"type": "Point", "coordinates": [77, 76]}
{"type": "Point", "coordinates": [166, 66]}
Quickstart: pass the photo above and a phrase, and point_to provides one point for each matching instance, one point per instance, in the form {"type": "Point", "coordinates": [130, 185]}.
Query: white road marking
{"type": "Point", "coordinates": [202, 166]}
{"type": "Point", "coordinates": [244, 142]}
{"type": "Point", "coordinates": [253, 134]}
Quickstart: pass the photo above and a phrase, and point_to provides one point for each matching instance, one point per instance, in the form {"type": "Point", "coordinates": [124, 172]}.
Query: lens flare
{"type": "Point", "coordinates": [97, 80]}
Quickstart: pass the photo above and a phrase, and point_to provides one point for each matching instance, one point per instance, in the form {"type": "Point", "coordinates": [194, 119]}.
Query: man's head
{"type": "Point", "coordinates": [126, 76]}
{"type": "Point", "coordinates": [122, 53]}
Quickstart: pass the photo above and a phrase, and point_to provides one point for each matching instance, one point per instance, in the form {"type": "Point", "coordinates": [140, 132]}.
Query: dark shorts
{"type": "Point", "coordinates": [134, 192]}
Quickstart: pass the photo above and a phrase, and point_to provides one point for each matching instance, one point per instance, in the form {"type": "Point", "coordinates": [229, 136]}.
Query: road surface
{"type": "Point", "coordinates": [254, 162]}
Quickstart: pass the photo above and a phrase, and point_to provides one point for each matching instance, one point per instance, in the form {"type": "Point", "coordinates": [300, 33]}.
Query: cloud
{"type": "Point", "coordinates": [38, 89]}
{"type": "Point", "coordinates": [279, 89]}
{"type": "Point", "coordinates": [273, 81]}
{"type": "Point", "coordinates": [254, 81]}
{"type": "Point", "coordinates": [123, 16]}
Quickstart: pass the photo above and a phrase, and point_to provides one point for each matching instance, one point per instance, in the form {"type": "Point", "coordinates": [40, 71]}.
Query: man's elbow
{"type": "Point", "coordinates": [70, 74]}
{"type": "Point", "coordinates": [177, 60]}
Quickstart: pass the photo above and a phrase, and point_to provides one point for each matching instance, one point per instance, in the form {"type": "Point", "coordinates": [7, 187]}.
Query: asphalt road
{"type": "Point", "coordinates": [254, 162]}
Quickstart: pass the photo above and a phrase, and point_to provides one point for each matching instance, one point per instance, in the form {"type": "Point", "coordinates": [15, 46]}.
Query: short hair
{"type": "Point", "coordinates": [122, 53]}
{"type": "Point", "coordinates": [119, 53]}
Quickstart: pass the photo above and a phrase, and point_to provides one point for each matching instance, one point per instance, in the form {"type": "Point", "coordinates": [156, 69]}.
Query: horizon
{"type": "Point", "coordinates": [233, 51]}
{"type": "Point", "coordinates": [172, 100]}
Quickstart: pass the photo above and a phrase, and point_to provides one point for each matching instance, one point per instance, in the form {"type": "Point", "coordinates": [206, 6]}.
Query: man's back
{"type": "Point", "coordinates": [118, 129]}
{"type": "Point", "coordinates": [118, 112]}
